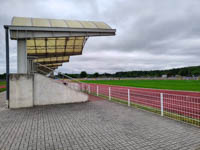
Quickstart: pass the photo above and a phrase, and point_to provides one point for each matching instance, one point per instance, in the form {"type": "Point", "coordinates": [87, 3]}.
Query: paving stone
{"type": "Point", "coordinates": [95, 125]}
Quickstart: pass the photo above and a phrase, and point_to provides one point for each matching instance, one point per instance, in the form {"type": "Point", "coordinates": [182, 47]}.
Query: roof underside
{"type": "Point", "coordinates": [51, 42]}
{"type": "Point", "coordinates": [48, 47]}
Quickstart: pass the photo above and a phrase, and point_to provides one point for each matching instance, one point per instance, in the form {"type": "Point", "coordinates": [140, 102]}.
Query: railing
{"type": "Point", "coordinates": [180, 107]}
{"type": "Point", "coordinates": [69, 81]}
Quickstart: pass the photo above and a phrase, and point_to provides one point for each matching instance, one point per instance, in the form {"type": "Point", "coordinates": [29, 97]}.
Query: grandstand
{"type": "Point", "coordinates": [45, 44]}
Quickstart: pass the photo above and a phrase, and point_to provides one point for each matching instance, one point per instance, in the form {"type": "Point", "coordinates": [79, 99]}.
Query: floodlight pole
{"type": "Point", "coordinates": [7, 63]}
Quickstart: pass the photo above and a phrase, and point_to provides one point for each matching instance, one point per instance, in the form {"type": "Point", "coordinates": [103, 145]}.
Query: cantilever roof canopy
{"type": "Point", "coordinates": [51, 41]}
{"type": "Point", "coordinates": [37, 28]}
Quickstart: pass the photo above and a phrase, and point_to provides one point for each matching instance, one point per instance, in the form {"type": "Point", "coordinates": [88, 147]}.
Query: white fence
{"type": "Point", "coordinates": [180, 107]}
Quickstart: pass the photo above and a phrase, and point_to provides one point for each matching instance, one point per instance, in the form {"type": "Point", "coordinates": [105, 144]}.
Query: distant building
{"type": "Point", "coordinates": [164, 76]}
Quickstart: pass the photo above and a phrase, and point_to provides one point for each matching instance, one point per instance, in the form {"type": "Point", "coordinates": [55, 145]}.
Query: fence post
{"type": "Point", "coordinates": [161, 103]}
{"type": "Point", "coordinates": [82, 87]}
{"type": "Point", "coordinates": [129, 97]}
{"type": "Point", "coordinates": [89, 89]}
{"type": "Point", "coordinates": [109, 90]}
{"type": "Point", "coordinates": [97, 90]}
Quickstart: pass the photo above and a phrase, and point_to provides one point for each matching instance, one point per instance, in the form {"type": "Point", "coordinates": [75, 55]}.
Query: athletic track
{"type": "Point", "coordinates": [2, 86]}
{"type": "Point", "coordinates": [179, 102]}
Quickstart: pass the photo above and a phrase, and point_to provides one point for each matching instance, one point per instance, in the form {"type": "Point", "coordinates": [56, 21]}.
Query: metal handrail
{"type": "Point", "coordinates": [59, 73]}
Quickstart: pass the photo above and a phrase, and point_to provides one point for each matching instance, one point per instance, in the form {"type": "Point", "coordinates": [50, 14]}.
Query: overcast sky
{"type": "Point", "coordinates": [151, 34]}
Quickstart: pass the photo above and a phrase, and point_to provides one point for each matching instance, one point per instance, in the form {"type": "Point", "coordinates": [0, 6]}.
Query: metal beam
{"type": "Point", "coordinates": [53, 66]}
{"type": "Point", "coordinates": [53, 62]}
{"type": "Point", "coordinates": [15, 34]}
{"type": "Point", "coordinates": [55, 29]}
{"type": "Point", "coordinates": [7, 63]}
{"type": "Point", "coordinates": [25, 32]}
{"type": "Point", "coordinates": [45, 69]}
{"type": "Point", "coordinates": [56, 64]}
{"type": "Point", "coordinates": [45, 55]}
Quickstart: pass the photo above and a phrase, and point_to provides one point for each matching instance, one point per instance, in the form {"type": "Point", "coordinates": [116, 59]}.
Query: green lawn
{"type": "Point", "coordinates": [186, 85]}
{"type": "Point", "coordinates": [2, 83]}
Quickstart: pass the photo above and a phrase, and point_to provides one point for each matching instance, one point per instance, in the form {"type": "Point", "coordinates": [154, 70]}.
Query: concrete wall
{"type": "Point", "coordinates": [30, 90]}
{"type": "Point", "coordinates": [21, 91]}
{"type": "Point", "coordinates": [74, 86]}
{"type": "Point", "coordinates": [48, 91]}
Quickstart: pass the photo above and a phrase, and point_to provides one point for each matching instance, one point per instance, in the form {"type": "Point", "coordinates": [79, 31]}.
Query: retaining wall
{"type": "Point", "coordinates": [35, 89]}
{"type": "Point", "coordinates": [21, 90]}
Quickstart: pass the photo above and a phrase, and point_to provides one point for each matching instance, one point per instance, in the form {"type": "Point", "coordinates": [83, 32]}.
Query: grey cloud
{"type": "Point", "coordinates": [127, 61]}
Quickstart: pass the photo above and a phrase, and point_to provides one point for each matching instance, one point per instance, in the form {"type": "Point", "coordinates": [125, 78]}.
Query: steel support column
{"type": "Point", "coordinates": [7, 63]}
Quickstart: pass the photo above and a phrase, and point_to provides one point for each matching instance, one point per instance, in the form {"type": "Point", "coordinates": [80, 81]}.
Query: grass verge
{"type": "Point", "coordinates": [2, 89]}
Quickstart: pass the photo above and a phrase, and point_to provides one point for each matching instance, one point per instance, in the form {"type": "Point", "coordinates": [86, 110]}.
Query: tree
{"type": "Point", "coordinates": [96, 74]}
{"type": "Point", "coordinates": [196, 73]}
{"type": "Point", "coordinates": [3, 76]}
{"type": "Point", "coordinates": [83, 74]}
{"type": "Point", "coordinates": [183, 72]}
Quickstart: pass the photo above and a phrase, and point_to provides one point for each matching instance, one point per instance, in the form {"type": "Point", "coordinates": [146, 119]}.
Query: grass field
{"type": "Point", "coordinates": [2, 83]}
{"type": "Point", "coordinates": [186, 85]}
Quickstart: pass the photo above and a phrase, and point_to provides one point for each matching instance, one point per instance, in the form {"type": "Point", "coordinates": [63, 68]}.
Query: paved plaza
{"type": "Point", "coordinates": [98, 124]}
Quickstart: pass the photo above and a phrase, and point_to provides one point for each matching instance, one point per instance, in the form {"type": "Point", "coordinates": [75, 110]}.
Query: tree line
{"type": "Point", "coordinates": [193, 71]}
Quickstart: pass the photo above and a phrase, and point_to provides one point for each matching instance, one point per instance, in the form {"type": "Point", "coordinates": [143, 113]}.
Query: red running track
{"type": "Point", "coordinates": [180, 102]}
{"type": "Point", "coordinates": [2, 86]}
